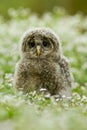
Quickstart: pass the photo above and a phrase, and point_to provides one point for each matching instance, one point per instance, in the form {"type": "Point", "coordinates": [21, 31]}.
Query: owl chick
{"type": "Point", "coordinates": [42, 64]}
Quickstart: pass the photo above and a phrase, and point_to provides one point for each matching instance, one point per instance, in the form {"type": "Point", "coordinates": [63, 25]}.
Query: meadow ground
{"type": "Point", "coordinates": [36, 112]}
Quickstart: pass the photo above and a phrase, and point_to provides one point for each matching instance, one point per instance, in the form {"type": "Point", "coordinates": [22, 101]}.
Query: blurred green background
{"type": "Point", "coordinates": [41, 6]}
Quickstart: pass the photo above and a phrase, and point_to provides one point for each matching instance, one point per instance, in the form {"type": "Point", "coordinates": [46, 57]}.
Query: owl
{"type": "Point", "coordinates": [42, 65]}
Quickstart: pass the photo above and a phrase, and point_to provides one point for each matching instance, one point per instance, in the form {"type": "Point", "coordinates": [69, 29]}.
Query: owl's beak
{"type": "Point", "coordinates": [38, 50]}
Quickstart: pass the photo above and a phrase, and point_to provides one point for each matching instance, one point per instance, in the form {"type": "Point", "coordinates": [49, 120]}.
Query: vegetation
{"type": "Point", "coordinates": [36, 112]}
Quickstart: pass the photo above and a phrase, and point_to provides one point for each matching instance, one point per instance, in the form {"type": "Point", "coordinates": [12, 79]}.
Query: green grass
{"type": "Point", "coordinates": [36, 112]}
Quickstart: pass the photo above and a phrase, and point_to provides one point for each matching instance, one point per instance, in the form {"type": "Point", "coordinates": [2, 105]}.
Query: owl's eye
{"type": "Point", "coordinates": [31, 44]}
{"type": "Point", "coordinates": [45, 44]}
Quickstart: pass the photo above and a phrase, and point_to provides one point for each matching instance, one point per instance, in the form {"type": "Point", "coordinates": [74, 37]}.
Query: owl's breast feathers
{"type": "Point", "coordinates": [44, 73]}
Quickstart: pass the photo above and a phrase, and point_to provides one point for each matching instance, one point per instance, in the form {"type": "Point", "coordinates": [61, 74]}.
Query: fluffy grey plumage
{"type": "Point", "coordinates": [42, 65]}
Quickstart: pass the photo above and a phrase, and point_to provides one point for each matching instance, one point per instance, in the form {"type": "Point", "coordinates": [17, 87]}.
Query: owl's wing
{"type": "Point", "coordinates": [67, 75]}
{"type": "Point", "coordinates": [19, 76]}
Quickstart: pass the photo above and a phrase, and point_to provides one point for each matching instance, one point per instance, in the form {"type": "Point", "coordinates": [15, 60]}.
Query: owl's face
{"type": "Point", "coordinates": [40, 43]}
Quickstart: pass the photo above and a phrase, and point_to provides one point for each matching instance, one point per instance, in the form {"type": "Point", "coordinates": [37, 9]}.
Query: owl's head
{"type": "Point", "coordinates": [40, 42]}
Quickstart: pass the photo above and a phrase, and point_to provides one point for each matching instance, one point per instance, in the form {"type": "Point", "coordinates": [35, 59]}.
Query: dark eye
{"type": "Point", "coordinates": [45, 44]}
{"type": "Point", "coordinates": [31, 44]}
